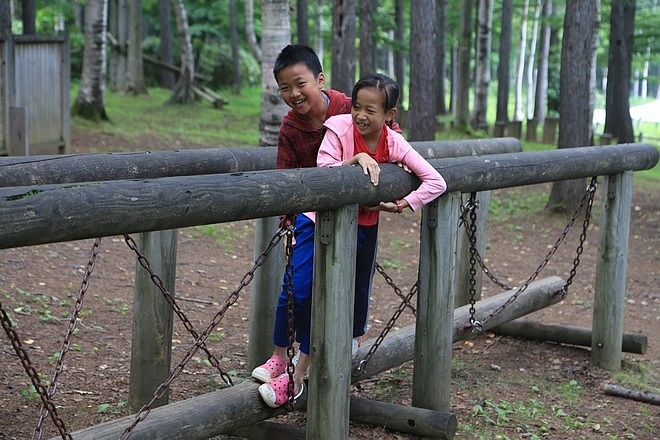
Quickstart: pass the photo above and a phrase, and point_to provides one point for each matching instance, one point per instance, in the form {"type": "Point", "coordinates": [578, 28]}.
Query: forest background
{"type": "Point", "coordinates": [511, 49]}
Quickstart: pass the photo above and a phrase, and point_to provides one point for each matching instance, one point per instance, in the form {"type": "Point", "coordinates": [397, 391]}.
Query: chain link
{"type": "Point", "coordinates": [290, 367]}
{"type": "Point", "coordinates": [587, 198]}
{"type": "Point", "coordinates": [394, 287]}
{"type": "Point", "coordinates": [201, 339]}
{"type": "Point", "coordinates": [66, 344]}
{"type": "Point", "coordinates": [388, 327]}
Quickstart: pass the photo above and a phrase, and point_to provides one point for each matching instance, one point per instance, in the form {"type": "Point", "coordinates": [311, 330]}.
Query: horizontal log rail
{"type": "Point", "coordinates": [42, 170]}
{"type": "Point", "coordinates": [63, 212]}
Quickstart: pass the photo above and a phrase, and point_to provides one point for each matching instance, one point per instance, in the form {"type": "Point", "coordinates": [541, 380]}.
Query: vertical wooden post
{"type": "Point", "coordinates": [265, 291]}
{"type": "Point", "coordinates": [463, 253]}
{"type": "Point", "coordinates": [328, 402]}
{"type": "Point", "coordinates": [18, 132]}
{"type": "Point", "coordinates": [151, 347]}
{"type": "Point", "coordinates": [611, 270]}
{"type": "Point", "coordinates": [435, 303]}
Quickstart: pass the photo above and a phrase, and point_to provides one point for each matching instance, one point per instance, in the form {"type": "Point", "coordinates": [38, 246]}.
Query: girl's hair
{"type": "Point", "coordinates": [382, 82]}
{"type": "Point", "coordinates": [295, 54]}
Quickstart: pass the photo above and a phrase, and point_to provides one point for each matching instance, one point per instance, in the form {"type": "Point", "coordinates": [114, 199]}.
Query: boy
{"type": "Point", "coordinates": [301, 83]}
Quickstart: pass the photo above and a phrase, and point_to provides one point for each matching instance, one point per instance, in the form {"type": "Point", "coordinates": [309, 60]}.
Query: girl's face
{"type": "Point", "coordinates": [369, 114]}
{"type": "Point", "coordinates": [300, 89]}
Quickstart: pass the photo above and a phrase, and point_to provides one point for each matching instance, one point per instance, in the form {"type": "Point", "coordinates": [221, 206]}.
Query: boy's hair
{"type": "Point", "coordinates": [380, 82]}
{"type": "Point", "coordinates": [295, 54]}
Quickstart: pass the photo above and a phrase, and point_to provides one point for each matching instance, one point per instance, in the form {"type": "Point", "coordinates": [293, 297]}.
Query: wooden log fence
{"type": "Point", "coordinates": [224, 411]}
{"type": "Point", "coordinates": [41, 214]}
{"type": "Point", "coordinates": [60, 212]}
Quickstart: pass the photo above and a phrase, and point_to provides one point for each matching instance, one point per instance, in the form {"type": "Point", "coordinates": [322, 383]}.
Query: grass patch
{"type": "Point", "coordinates": [173, 125]}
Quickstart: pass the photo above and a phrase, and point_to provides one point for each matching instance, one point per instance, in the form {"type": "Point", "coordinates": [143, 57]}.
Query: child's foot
{"type": "Point", "coordinates": [275, 392]}
{"type": "Point", "coordinates": [272, 369]}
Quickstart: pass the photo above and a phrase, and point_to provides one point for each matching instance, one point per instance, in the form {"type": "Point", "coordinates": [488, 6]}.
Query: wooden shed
{"type": "Point", "coordinates": [34, 95]}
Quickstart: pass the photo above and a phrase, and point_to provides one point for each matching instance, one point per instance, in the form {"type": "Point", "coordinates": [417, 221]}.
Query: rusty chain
{"type": "Point", "coordinates": [390, 324]}
{"type": "Point", "coordinates": [158, 282]}
{"type": "Point", "coordinates": [290, 351]}
{"type": "Point", "coordinates": [588, 198]}
{"type": "Point", "coordinates": [66, 343]}
{"type": "Point", "coordinates": [396, 288]}
{"type": "Point", "coordinates": [201, 339]}
{"type": "Point", "coordinates": [46, 394]}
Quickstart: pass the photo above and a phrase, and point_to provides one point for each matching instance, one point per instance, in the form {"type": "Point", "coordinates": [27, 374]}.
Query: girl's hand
{"type": "Point", "coordinates": [369, 166]}
{"type": "Point", "coordinates": [393, 206]}
{"type": "Point", "coordinates": [404, 166]}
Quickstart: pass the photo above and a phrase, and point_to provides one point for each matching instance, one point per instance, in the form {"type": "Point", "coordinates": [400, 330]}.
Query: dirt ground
{"type": "Point", "coordinates": [502, 387]}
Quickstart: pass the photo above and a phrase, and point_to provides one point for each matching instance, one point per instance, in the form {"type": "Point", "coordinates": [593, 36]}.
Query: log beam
{"type": "Point", "coordinates": [566, 334]}
{"type": "Point", "coordinates": [49, 169]}
{"type": "Point", "coordinates": [227, 410]}
{"type": "Point", "coordinates": [53, 213]}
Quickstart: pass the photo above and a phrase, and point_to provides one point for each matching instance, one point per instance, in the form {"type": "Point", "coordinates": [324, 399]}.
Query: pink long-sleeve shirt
{"type": "Point", "coordinates": [338, 146]}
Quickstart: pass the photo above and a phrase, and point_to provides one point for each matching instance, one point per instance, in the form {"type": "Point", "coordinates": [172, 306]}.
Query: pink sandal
{"type": "Point", "coordinates": [275, 393]}
{"type": "Point", "coordinates": [272, 369]}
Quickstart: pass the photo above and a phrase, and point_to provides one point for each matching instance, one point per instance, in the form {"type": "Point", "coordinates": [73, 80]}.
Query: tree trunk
{"type": "Point", "coordinates": [249, 30]}
{"type": "Point", "coordinates": [276, 33]}
{"type": "Point", "coordinates": [118, 38]}
{"type": "Point", "coordinates": [182, 92]}
{"type": "Point", "coordinates": [503, 67]}
{"type": "Point", "coordinates": [90, 102]}
{"type": "Point", "coordinates": [617, 116]}
{"type": "Point", "coordinates": [343, 45]}
{"type": "Point", "coordinates": [28, 15]}
{"type": "Point", "coordinates": [441, 50]}
{"type": "Point", "coordinates": [520, 67]}
{"type": "Point", "coordinates": [167, 77]}
{"type": "Point", "coordinates": [482, 77]}
{"type": "Point", "coordinates": [135, 84]}
{"type": "Point", "coordinates": [542, 67]}
{"type": "Point", "coordinates": [399, 56]}
{"type": "Point", "coordinates": [5, 18]}
{"type": "Point", "coordinates": [367, 44]}
{"type": "Point", "coordinates": [531, 58]}
{"type": "Point", "coordinates": [302, 22]}
{"type": "Point", "coordinates": [463, 72]}
{"type": "Point", "coordinates": [575, 115]}
{"type": "Point", "coordinates": [235, 48]}
{"type": "Point", "coordinates": [422, 91]}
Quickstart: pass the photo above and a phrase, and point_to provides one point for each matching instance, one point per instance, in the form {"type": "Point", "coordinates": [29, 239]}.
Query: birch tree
{"type": "Point", "coordinates": [90, 101]}
{"type": "Point", "coordinates": [520, 67]}
{"type": "Point", "coordinates": [182, 92]}
{"type": "Point", "coordinates": [503, 67]}
{"type": "Point", "coordinates": [543, 63]}
{"type": "Point", "coordinates": [530, 59]}
{"type": "Point", "coordinates": [463, 69]}
{"type": "Point", "coordinates": [276, 34]}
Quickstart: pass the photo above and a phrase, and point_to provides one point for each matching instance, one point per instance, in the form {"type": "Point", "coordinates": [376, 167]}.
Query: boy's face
{"type": "Point", "coordinates": [299, 89]}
